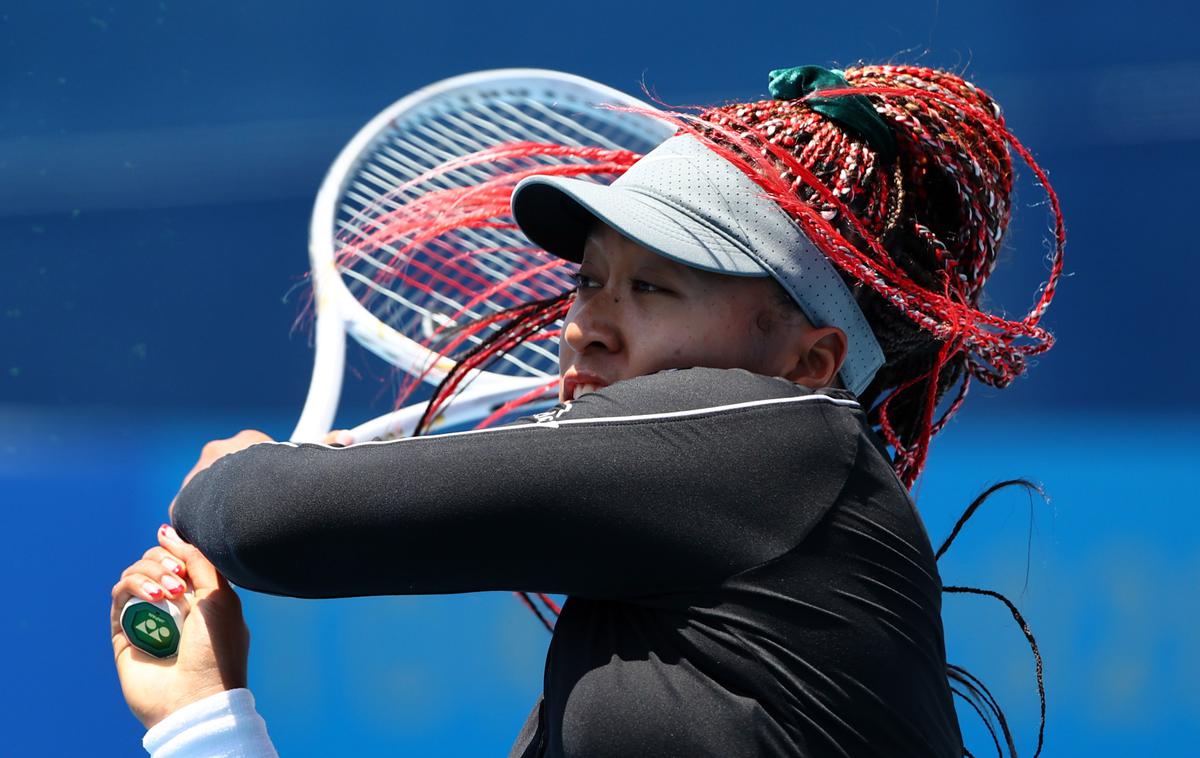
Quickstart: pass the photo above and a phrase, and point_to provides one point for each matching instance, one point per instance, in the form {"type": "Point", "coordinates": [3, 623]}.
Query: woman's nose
{"type": "Point", "coordinates": [592, 326]}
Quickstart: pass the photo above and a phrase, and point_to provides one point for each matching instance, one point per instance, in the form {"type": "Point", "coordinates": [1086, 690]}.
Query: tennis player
{"type": "Point", "coordinates": [770, 306]}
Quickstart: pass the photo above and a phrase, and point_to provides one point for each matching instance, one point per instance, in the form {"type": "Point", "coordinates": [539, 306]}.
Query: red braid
{"type": "Point", "coordinates": [918, 235]}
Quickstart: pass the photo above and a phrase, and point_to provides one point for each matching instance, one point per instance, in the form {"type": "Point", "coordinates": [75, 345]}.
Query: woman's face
{"type": "Point", "coordinates": [637, 312]}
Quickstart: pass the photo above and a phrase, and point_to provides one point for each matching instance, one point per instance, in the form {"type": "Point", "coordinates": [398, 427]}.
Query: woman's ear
{"type": "Point", "coordinates": [819, 356]}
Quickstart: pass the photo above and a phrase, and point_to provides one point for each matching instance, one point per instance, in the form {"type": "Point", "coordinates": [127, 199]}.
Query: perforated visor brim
{"type": "Point", "coordinates": [557, 213]}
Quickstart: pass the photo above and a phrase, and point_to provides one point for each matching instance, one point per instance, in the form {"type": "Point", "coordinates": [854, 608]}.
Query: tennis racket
{"type": "Point", "coordinates": [387, 271]}
{"type": "Point", "coordinates": [412, 246]}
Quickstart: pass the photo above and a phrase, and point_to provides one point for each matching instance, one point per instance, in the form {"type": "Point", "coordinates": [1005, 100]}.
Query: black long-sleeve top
{"type": "Point", "coordinates": [745, 574]}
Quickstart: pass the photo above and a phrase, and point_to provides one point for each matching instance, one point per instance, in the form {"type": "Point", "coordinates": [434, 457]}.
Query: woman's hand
{"type": "Point", "coordinates": [214, 641]}
{"type": "Point", "coordinates": [218, 449]}
{"type": "Point", "coordinates": [242, 440]}
{"type": "Point", "coordinates": [339, 438]}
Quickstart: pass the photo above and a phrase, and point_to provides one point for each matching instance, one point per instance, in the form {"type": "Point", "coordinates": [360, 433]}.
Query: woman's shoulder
{"type": "Point", "coordinates": [707, 389]}
{"type": "Point", "coordinates": [736, 381]}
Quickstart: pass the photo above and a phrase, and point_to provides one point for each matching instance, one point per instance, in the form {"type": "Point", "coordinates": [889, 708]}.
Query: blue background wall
{"type": "Point", "coordinates": [157, 167]}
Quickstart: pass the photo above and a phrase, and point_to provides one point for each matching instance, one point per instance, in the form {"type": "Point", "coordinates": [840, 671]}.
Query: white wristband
{"type": "Point", "coordinates": [224, 725]}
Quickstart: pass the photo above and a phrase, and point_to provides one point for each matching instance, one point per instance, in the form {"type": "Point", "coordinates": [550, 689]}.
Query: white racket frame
{"type": "Point", "coordinates": [339, 312]}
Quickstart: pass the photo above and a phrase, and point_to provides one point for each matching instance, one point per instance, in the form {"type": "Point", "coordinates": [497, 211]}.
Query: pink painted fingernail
{"type": "Point", "coordinates": [152, 589]}
{"type": "Point", "coordinates": [170, 533]}
{"type": "Point", "coordinates": [172, 584]}
{"type": "Point", "coordinates": [173, 565]}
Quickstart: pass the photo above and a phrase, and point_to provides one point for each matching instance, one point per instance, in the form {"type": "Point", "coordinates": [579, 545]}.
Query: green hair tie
{"type": "Point", "coordinates": [853, 112]}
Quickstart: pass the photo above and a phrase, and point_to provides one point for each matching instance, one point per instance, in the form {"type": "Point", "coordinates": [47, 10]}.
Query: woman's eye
{"type": "Point", "coordinates": [585, 282]}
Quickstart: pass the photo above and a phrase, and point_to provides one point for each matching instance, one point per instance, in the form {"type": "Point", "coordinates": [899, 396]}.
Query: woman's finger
{"type": "Point", "coordinates": [203, 574]}
{"type": "Point", "coordinates": [172, 563]}
{"type": "Point", "coordinates": [149, 580]}
{"type": "Point", "coordinates": [139, 586]}
{"type": "Point", "coordinates": [169, 561]}
{"type": "Point", "coordinates": [160, 564]}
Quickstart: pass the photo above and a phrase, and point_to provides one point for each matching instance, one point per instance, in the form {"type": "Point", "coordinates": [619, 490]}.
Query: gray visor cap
{"type": "Point", "coordinates": [688, 204]}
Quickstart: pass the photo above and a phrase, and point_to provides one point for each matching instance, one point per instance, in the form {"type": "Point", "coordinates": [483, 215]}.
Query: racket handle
{"type": "Point", "coordinates": [153, 627]}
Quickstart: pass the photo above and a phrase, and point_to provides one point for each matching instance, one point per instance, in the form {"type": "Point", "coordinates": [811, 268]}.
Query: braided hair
{"type": "Point", "coordinates": [913, 221]}
{"type": "Point", "coordinates": [902, 176]}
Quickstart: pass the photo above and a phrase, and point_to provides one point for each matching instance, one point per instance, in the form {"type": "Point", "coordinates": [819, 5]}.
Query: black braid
{"type": "Point", "coordinates": [980, 693]}
{"type": "Point", "coordinates": [516, 319]}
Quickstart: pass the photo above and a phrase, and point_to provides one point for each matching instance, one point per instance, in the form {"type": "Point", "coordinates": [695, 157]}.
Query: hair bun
{"type": "Point", "coordinates": [958, 162]}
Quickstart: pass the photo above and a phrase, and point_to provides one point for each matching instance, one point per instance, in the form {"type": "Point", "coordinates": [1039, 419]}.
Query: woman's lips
{"type": "Point", "coordinates": [577, 383]}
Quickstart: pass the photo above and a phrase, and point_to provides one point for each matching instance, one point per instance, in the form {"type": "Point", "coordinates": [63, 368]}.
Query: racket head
{"type": "Point", "coordinates": [390, 266]}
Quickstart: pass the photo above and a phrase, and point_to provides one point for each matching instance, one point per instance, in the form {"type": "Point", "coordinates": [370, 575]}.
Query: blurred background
{"type": "Point", "coordinates": [158, 162]}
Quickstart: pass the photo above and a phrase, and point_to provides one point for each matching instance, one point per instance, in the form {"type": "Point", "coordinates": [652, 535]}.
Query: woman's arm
{"type": "Point", "coordinates": [657, 483]}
